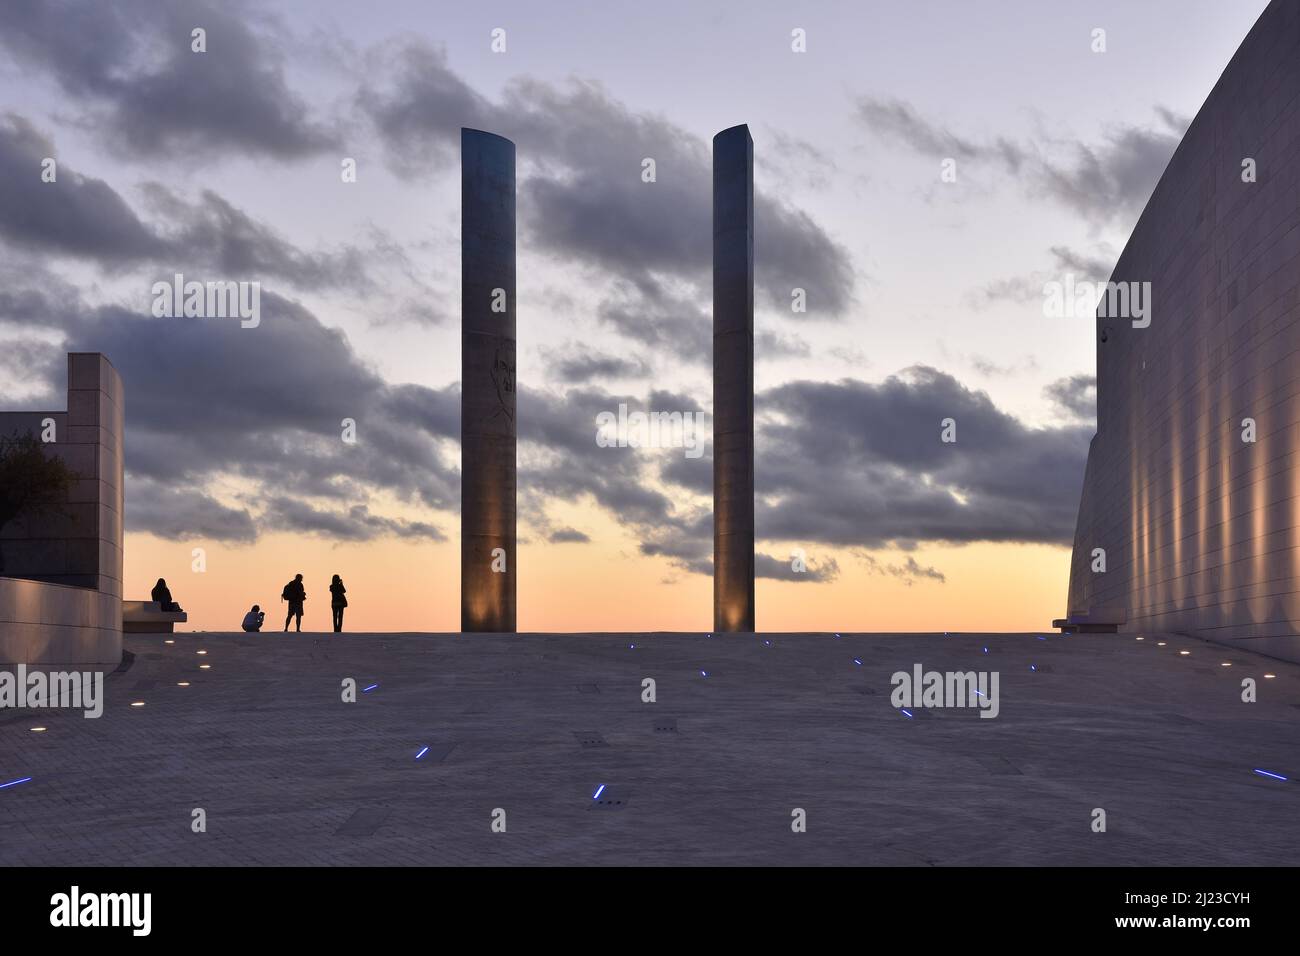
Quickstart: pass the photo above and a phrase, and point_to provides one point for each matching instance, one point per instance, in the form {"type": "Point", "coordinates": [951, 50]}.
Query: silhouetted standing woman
{"type": "Point", "coordinates": [338, 601]}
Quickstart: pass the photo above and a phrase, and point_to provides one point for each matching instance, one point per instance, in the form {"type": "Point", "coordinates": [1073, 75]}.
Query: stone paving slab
{"type": "Point", "coordinates": [289, 774]}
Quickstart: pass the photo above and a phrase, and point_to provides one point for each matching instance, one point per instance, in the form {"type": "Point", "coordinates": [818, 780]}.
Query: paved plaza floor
{"type": "Point", "coordinates": [744, 730]}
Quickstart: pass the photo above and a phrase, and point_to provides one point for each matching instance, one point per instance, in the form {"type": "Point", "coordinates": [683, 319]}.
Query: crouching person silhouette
{"type": "Point", "coordinates": [253, 620]}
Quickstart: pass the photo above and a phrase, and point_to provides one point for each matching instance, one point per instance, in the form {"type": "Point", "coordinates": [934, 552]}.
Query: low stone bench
{"type": "Point", "coordinates": [1102, 620]}
{"type": "Point", "coordinates": [148, 617]}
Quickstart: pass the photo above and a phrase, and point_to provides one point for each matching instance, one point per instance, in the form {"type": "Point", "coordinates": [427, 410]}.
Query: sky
{"type": "Point", "coordinates": [924, 292]}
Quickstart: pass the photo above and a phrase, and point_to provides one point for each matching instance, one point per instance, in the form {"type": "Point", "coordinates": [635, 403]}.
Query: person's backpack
{"type": "Point", "coordinates": [284, 595]}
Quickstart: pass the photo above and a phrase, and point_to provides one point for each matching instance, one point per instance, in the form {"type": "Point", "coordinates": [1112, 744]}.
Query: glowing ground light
{"type": "Point", "coordinates": [182, 683]}
{"type": "Point", "coordinates": [1032, 667]}
{"type": "Point", "coordinates": [1141, 638]}
{"type": "Point", "coordinates": [1226, 664]}
{"type": "Point", "coordinates": [367, 690]}
{"type": "Point", "coordinates": [599, 791]}
{"type": "Point", "coordinates": [858, 662]}
{"type": "Point", "coordinates": [1269, 676]}
{"type": "Point", "coordinates": [200, 652]}
{"type": "Point", "coordinates": [986, 650]}
{"type": "Point", "coordinates": [205, 667]}
{"type": "Point", "coordinates": [704, 673]}
{"type": "Point", "coordinates": [1161, 643]}
{"type": "Point", "coordinates": [768, 643]}
{"type": "Point", "coordinates": [423, 751]}
{"type": "Point", "coordinates": [38, 730]}
{"type": "Point", "coordinates": [137, 703]}
{"type": "Point", "coordinates": [906, 713]}
{"type": "Point", "coordinates": [14, 783]}
{"type": "Point", "coordinates": [631, 647]}
{"type": "Point", "coordinates": [1185, 653]}
{"type": "Point", "coordinates": [169, 641]}
{"type": "Point", "coordinates": [1269, 773]}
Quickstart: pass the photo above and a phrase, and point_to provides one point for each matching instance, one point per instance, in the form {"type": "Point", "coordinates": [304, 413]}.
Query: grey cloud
{"type": "Point", "coordinates": [356, 523]}
{"type": "Point", "coordinates": [853, 463]}
{"type": "Point", "coordinates": [560, 460]}
{"type": "Point", "coordinates": [207, 397]}
{"type": "Point", "coordinates": [791, 159]}
{"type": "Point", "coordinates": [770, 345]}
{"type": "Point", "coordinates": [1175, 121]}
{"type": "Point", "coordinates": [577, 365]}
{"type": "Point", "coordinates": [129, 65]}
{"type": "Point", "coordinates": [900, 120]}
{"type": "Point", "coordinates": [567, 536]}
{"type": "Point", "coordinates": [1014, 289]}
{"type": "Point", "coordinates": [185, 513]}
{"type": "Point", "coordinates": [215, 232]}
{"type": "Point", "coordinates": [1093, 268]}
{"type": "Point", "coordinates": [581, 194]}
{"type": "Point", "coordinates": [85, 218]}
{"type": "Point", "coordinates": [647, 312]}
{"type": "Point", "coordinates": [908, 572]}
{"type": "Point", "coordinates": [821, 572]}
{"type": "Point", "coordinates": [33, 361]}
{"type": "Point", "coordinates": [1075, 396]}
{"type": "Point", "coordinates": [1029, 288]}
{"type": "Point", "coordinates": [1108, 180]}
{"type": "Point", "coordinates": [75, 215]}
{"type": "Point", "coordinates": [1113, 179]}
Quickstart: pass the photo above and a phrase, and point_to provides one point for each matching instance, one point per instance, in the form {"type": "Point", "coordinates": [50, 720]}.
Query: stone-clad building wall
{"type": "Point", "coordinates": [1201, 529]}
{"type": "Point", "coordinates": [61, 589]}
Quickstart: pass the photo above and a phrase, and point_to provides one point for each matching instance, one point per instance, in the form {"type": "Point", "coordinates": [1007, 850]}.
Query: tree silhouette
{"type": "Point", "coordinates": [31, 482]}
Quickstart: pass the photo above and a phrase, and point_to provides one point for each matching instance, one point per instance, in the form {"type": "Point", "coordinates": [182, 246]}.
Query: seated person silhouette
{"type": "Point", "coordinates": [253, 620]}
{"type": "Point", "coordinates": [163, 597]}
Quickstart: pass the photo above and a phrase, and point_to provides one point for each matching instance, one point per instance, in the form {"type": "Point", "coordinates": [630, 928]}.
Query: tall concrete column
{"type": "Point", "coordinates": [487, 405]}
{"type": "Point", "coordinates": [733, 380]}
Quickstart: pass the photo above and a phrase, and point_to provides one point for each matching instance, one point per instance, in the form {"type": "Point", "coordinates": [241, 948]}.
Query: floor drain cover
{"type": "Point", "coordinates": [364, 822]}
{"type": "Point", "coordinates": [610, 798]}
{"type": "Point", "coordinates": [665, 725]}
{"type": "Point", "coordinates": [590, 739]}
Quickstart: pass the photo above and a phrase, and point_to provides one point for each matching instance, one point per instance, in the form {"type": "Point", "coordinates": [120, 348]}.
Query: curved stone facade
{"type": "Point", "coordinates": [1201, 527]}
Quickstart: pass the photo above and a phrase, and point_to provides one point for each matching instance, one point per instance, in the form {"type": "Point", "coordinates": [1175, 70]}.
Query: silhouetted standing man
{"type": "Point", "coordinates": [295, 594]}
{"type": "Point", "coordinates": [338, 602]}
